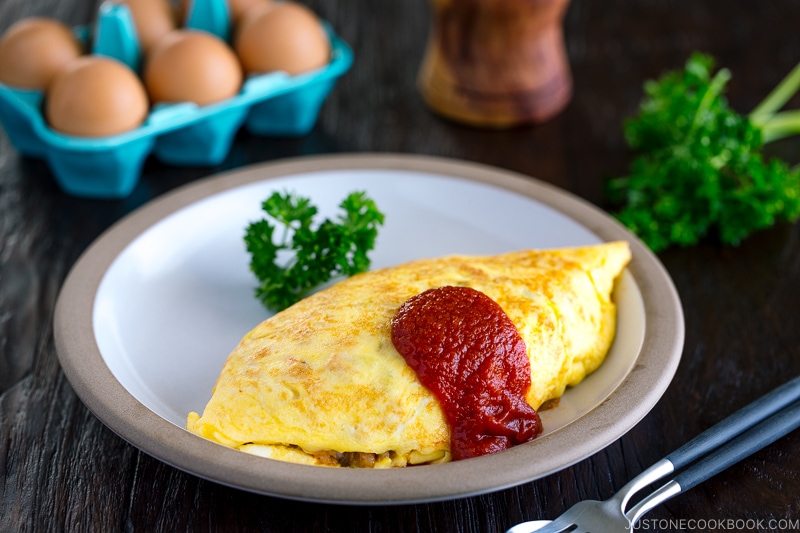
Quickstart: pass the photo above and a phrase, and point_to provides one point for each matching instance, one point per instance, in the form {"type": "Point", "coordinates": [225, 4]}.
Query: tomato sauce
{"type": "Point", "coordinates": [469, 354]}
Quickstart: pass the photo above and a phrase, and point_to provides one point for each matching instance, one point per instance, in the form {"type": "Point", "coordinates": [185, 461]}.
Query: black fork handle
{"type": "Point", "coordinates": [735, 424]}
{"type": "Point", "coordinates": [747, 443]}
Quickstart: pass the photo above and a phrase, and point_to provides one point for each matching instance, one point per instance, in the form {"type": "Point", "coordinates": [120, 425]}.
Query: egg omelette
{"type": "Point", "coordinates": [321, 383]}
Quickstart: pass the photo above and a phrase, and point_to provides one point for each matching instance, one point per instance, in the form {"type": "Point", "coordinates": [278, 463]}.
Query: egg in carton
{"type": "Point", "coordinates": [183, 133]}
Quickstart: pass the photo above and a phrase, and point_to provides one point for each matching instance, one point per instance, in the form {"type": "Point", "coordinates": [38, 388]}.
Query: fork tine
{"type": "Point", "coordinates": [568, 520]}
{"type": "Point", "coordinates": [528, 527]}
{"type": "Point", "coordinates": [558, 525]}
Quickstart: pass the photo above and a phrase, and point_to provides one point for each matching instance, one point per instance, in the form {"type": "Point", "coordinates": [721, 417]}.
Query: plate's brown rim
{"type": "Point", "coordinates": [96, 386]}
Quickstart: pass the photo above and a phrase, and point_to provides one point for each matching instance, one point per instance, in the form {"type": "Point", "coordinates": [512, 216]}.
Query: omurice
{"type": "Point", "coordinates": [322, 382]}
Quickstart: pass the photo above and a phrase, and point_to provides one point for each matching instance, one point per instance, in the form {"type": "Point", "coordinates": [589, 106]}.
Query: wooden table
{"type": "Point", "coordinates": [61, 469]}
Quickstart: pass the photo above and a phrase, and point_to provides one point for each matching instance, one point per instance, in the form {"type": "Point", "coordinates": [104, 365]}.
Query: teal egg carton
{"type": "Point", "coordinates": [181, 134]}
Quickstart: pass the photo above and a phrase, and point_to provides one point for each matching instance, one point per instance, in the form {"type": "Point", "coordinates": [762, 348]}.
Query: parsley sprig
{"type": "Point", "coordinates": [290, 257]}
{"type": "Point", "coordinates": [698, 169]}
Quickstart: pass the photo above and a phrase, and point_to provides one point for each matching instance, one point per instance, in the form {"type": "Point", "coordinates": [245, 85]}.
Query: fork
{"type": "Point", "coordinates": [743, 433]}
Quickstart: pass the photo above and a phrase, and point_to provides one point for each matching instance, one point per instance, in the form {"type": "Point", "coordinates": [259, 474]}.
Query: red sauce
{"type": "Point", "coordinates": [469, 354]}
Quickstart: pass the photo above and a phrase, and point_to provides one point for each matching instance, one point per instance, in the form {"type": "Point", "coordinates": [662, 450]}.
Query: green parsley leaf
{"type": "Point", "coordinates": [290, 257]}
{"type": "Point", "coordinates": [698, 169]}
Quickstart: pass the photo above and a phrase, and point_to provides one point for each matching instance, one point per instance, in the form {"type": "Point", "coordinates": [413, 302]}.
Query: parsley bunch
{"type": "Point", "coordinates": [698, 169]}
{"type": "Point", "coordinates": [290, 265]}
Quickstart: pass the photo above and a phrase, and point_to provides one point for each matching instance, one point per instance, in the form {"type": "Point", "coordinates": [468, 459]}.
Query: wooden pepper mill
{"type": "Point", "coordinates": [496, 63]}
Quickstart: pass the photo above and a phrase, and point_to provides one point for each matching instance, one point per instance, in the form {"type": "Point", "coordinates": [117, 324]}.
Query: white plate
{"type": "Point", "coordinates": [149, 313]}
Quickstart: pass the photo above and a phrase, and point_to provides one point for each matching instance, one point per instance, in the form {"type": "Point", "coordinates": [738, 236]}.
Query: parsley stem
{"type": "Point", "coordinates": [713, 91]}
{"type": "Point", "coordinates": [777, 98]}
{"type": "Point", "coordinates": [780, 125]}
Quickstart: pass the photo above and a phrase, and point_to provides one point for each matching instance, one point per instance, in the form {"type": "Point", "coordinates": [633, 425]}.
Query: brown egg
{"type": "Point", "coordinates": [96, 96]}
{"type": "Point", "coordinates": [34, 50]}
{"type": "Point", "coordinates": [285, 36]}
{"type": "Point", "coordinates": [153, 20]}
{"type": "Point", "coordinates": [192, 66]}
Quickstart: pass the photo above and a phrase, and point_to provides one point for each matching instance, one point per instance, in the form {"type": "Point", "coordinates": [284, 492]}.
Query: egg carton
{"type": "Point", "coordinates": [181, 134]}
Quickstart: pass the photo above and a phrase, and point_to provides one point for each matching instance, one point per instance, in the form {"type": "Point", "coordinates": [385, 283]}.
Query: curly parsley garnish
{"type": "Point", "coordinates": [698, 170]}
{"type": "Point", "coordinates": [301, 258]}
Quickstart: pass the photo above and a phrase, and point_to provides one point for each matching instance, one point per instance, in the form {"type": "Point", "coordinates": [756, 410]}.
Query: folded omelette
{"type": "Point", "coordinates": [321, 382]}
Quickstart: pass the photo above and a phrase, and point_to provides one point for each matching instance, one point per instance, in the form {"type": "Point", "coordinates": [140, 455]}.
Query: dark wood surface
{"type": "Point", "coordinates": [63, 470]}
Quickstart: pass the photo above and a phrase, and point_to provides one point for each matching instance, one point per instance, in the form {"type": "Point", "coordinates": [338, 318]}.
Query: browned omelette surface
{"type": "Point", "coordinates": [321, 383]}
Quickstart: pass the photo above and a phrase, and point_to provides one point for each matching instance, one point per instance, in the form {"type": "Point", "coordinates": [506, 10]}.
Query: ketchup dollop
{"type": "Point", "coordinates": [468, 353]}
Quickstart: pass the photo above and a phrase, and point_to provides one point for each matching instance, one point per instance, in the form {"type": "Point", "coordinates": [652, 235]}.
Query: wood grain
{"type": "Point", "coordinates": [496, 63]}
{"type": "Point", "coordinates": [63, 470]}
